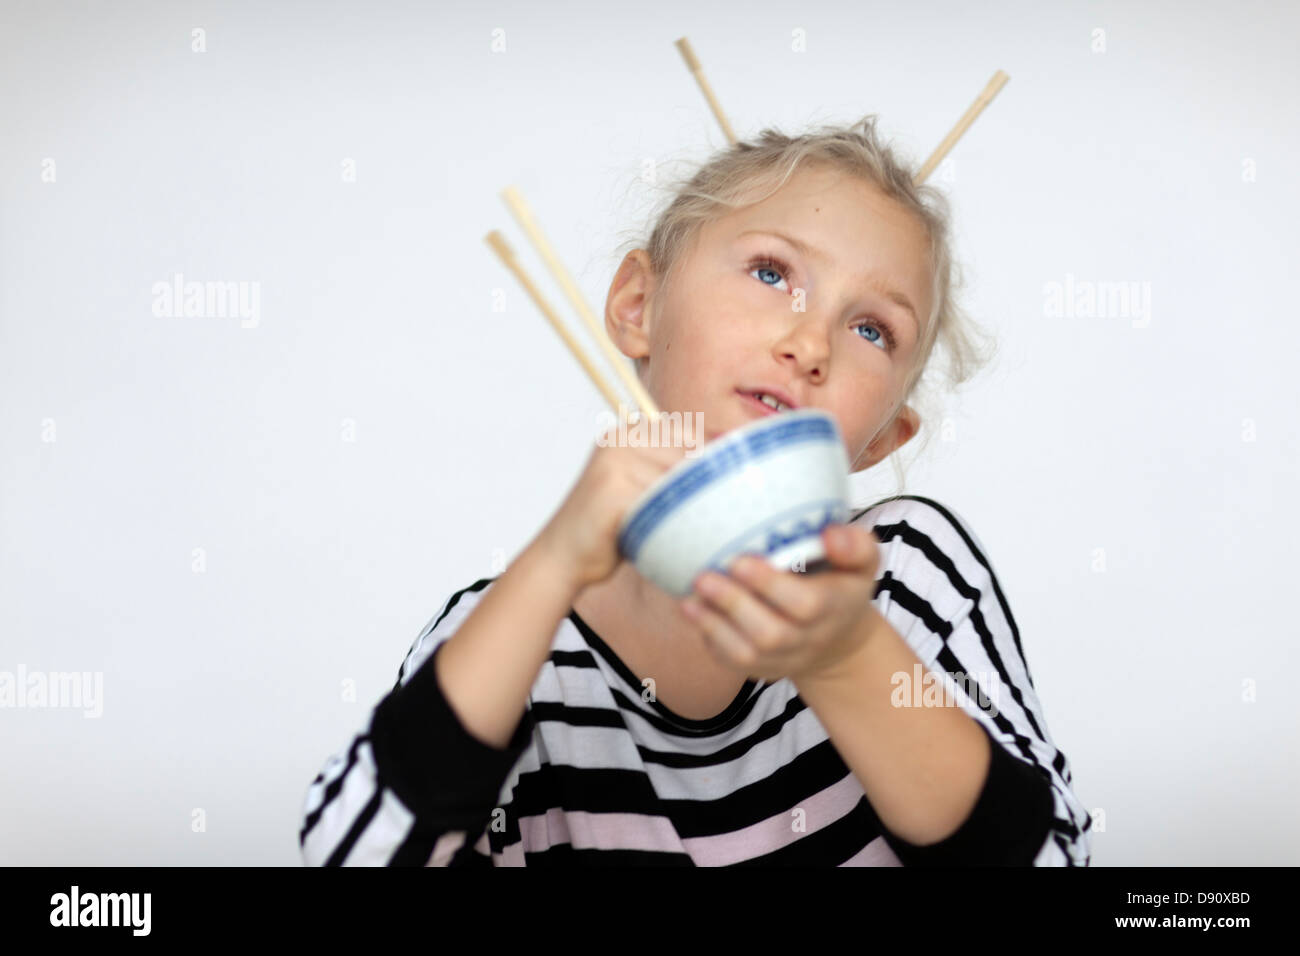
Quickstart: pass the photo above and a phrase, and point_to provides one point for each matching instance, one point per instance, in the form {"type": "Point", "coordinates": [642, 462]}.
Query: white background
{"type": "Point", "coordinates": [223, 690]}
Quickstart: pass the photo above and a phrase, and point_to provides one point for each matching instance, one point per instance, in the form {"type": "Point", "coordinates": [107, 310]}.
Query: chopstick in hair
{"type": "Point", "coordinates": [693, 64]}
{"type": "Point", "coordinates": [986, 96]}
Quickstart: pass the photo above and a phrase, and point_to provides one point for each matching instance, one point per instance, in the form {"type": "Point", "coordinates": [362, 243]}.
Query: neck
{"type": "Point", "coordinates": [637, 600]}
{"type": "Point", "coordinates": [639, 592]}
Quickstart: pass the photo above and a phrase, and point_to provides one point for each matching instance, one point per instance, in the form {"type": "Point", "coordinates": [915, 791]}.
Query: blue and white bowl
{"type": "Point", "coordinates": [768, 488]}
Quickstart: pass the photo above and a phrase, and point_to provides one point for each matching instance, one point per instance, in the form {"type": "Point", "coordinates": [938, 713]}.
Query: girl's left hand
{"type": "Point", "coordinates": [772, 624]}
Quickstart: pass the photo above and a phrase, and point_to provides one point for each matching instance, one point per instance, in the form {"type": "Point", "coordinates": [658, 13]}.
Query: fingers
{"type": "Point", "coordinates": [850, 547]}
{"type": "Point", "coordinates": [742, 609]}
{"type": "Point", "coordinates": [722, 637]}
{"type": "Point", "coordinates": [785, 591]}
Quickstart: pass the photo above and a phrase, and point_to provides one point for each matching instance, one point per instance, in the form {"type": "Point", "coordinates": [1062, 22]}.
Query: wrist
{"type": "Point", "coordinates": [859, 644]}
{"type": "Point", "coordinates": [549, 560]}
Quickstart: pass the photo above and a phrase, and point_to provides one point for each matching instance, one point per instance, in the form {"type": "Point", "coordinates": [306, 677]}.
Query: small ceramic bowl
{"type": "Point", "coordinates": [766, 488]}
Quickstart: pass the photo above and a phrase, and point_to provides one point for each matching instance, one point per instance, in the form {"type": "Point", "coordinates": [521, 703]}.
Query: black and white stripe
{"type": "Point", "coordinates": [595, 773]}
{"type": "Point", "coordinates": [959, 621]}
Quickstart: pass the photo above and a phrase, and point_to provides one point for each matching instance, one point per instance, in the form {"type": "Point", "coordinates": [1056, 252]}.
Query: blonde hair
{"type": "Point", "coordinates": [728, 181]}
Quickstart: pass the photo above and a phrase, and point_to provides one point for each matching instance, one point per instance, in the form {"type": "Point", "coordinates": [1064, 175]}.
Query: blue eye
{"type": "Point", "coordinates": [884, 338]}
{"type": "Point", "coordinates": [771, 266]}
{"type": "Point", "coordinates": [884, 334]}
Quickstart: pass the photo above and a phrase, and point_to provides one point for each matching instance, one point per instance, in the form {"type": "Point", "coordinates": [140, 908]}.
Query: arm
{"type": "Point", "coordinates": [951, 784]}
{"type": "Point", "coordinates": [419, 784]}
{"type": "Point", "coordinates": [922, 767]}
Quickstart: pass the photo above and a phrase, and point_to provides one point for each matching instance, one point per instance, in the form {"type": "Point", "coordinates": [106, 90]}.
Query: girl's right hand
{"type": "Point", "coordinates": [583, 532]}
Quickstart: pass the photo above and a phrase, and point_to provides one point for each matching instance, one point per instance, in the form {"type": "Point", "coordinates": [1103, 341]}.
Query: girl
{"type": "Point", "coordinates": [880, 712]}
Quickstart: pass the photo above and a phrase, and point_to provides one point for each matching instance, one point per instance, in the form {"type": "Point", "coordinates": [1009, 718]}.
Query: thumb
{"type": "Point", "coordinates": [846, 545]}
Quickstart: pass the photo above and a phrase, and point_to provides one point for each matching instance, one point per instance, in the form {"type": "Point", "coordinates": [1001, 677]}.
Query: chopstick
{"type": "Point", "coordinates": [507, 256]}
{"type": "Point", "coordinates": [990, 90]}
{"type": "Point", "coordinates": [693, 64]}
{"type": "Point", "coordinates": [524, 216]}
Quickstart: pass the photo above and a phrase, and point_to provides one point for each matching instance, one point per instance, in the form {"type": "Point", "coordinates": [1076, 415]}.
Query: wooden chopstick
{"type": "Point", "coordinates": [507, 256]}
{"type": "Point", "coordinates": [990, 90]}
{"type": "Point", "coordinates": [693, 64]}
{"type": "Point", "coordinates": [524, 216]}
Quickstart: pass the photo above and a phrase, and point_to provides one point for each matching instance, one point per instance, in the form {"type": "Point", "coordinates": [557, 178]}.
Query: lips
{"type": "Point", "coordinates": [782, 396]}
{"type": "Point", "coordinates": [753, 403]}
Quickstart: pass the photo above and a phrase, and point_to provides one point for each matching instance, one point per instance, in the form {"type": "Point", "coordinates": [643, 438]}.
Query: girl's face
{"type": "Point", "coordinates": [829, 315]}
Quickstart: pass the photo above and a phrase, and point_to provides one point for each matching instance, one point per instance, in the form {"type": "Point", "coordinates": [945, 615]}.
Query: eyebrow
{"type": "Point", "coordinates": [894, 295]}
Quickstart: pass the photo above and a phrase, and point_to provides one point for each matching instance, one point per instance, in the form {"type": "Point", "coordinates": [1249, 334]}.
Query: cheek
{"type": "Point", "coordinates": [696, 331]}
{"type": "Point", "coordinates": [680, 352]}
{"type": "Point", "coordinates": [863, 408]}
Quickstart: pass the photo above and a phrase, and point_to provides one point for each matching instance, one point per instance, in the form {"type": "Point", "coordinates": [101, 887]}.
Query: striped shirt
{"type": "Point", "coordinates": [599, 772]}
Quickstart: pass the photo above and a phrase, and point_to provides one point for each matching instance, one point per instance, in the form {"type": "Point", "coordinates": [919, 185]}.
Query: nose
{"type": "Point", "coordinates": [807, 346]}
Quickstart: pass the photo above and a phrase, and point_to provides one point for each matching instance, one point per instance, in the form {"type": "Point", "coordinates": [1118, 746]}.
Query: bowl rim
{"type": "Point", "coordinates": [740, 438]}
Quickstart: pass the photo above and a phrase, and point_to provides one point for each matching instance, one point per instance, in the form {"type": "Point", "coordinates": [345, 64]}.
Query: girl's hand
{"type": "Point", "coordinates": [771, 624]}
{"type": "Point", "coordinates": [583, 532]}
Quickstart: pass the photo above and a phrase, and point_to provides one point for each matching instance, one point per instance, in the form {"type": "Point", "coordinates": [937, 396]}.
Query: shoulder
{"type": "Point", "coordinates": [443, 624]}
{"type": "Point", "coordinates": [931, 560]}
{"type": "Point", "coordinates": [935, 529]}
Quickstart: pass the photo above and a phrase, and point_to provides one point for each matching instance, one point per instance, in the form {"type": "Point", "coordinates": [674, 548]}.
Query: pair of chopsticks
{"type": "Point", "coordinates": [990, 90]}
{"type": "Point", "coordinates": [523, 215]}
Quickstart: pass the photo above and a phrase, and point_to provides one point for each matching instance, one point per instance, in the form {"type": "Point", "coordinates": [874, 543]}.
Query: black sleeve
{"type": "Point", "coordinates": [448, 777]}
{"type": "Point", "coordinates": [1007, 827]}
{"type": "Point", "coordinates": [414, 787]}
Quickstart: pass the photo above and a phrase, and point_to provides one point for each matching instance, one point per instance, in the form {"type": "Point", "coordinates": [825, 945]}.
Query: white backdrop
{"type": "Point", "coordinates": [233, 521]}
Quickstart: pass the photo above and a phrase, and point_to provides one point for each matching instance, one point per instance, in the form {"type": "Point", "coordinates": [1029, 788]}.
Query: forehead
{"type": "Point", "coordinates": [863, 232]}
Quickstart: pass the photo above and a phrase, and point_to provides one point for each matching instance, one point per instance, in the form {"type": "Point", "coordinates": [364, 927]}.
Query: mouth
{"type": "Point", "coordinates": [764, 403]}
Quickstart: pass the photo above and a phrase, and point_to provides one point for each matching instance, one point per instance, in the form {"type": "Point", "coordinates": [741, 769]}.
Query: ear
{"type": "Point", "coordinates": [629, 306]}
{"type": "Point", "coordinates": [895, 435]}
